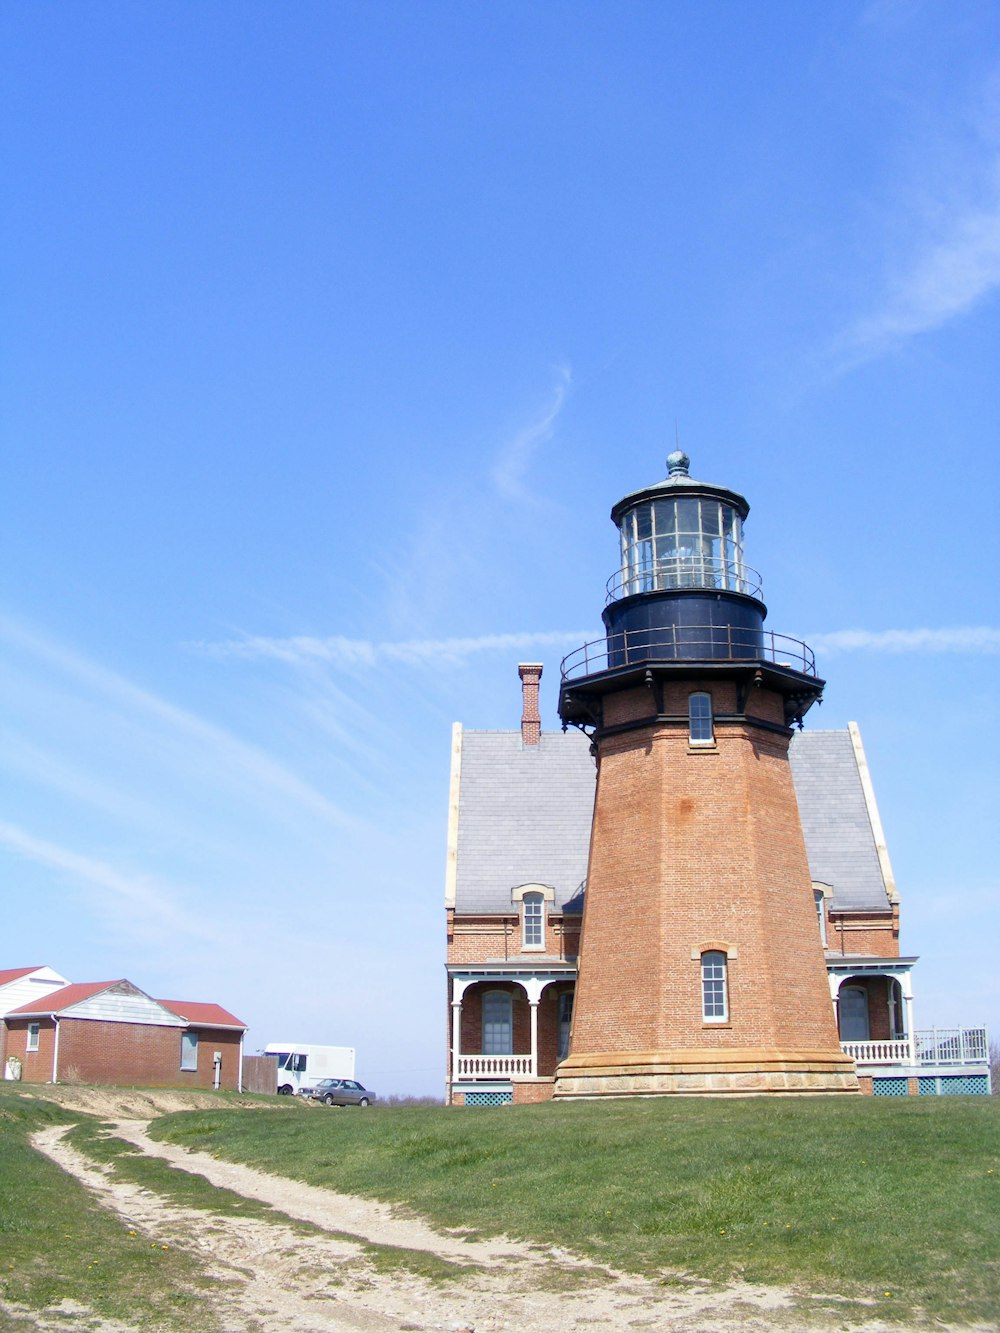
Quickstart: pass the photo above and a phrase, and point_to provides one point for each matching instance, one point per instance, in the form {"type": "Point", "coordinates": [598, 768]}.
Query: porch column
{"type": "Point", "coordinates": [533, 1009]}
{"type": "Point", "coordinates": [456, 1028]}
{"type": "Point", "coordinates": [906, 986]}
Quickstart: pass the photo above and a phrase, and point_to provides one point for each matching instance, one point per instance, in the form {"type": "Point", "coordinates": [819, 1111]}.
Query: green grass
{"type": "Point", "coordinates": [892, 1201]}
{"type": "Point", "coordinates": [57, 1244]}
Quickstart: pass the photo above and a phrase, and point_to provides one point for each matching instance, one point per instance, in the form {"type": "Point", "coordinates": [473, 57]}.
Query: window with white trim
{"type": "Point", "coordinates": [700, 731]}
{"type": "Point", "coordinates": [498, 1023]}
{"type": "Point", "coordinates": [189, 1051]}
{"type": "Point", "coordinates": [820, 897]}
{"type": "Point", "coordinates": [33, 1032]}
{"type": "Point", "coordinates": [714, 996]}
{"type": "Point", "coordinates": [533, 921]}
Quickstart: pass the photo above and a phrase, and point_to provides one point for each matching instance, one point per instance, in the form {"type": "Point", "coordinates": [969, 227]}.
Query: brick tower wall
{"type": "Point", "coordinates": [698, 848]}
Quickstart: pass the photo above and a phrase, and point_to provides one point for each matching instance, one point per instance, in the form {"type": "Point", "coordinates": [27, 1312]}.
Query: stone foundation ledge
{"type": "Point", "coordinates": [746, 1072]}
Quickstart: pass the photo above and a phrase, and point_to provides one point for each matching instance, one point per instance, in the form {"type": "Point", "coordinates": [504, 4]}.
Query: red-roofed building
{"type": "Point", "coordinates": [18, 985]}
{"type": "Point", "coordinates": [111, 1032]}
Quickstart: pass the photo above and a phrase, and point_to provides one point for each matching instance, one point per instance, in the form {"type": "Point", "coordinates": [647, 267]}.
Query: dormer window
{"type": "Point", "coordinates": [534, 900]}
{"type": "Point", "coordinates": [820, 894]}
{"type": "Point", "coordinates": [700, 729]}
{"type": "Point", "coordinates": [533, 921]}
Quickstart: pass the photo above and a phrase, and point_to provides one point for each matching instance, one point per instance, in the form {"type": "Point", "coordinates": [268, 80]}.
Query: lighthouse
{"type": "Point", "coordinates": [701, 968]}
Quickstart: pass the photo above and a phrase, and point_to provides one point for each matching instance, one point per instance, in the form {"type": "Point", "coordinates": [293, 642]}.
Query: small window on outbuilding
{"type": "Point", "coordinates": [33, 1031]}
{"type": "Point", "coordinates": [700, 730]}
{"type": "Point", "coordinates": [189, 1051]}
{"type": "Point", "coordinates": [714, 996]}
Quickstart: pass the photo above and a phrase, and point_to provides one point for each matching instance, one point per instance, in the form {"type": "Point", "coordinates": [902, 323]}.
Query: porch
{"type": "Point", "coordinates": [509, 1029]}
{"type": "Point", "coordinates": [933, 1062]}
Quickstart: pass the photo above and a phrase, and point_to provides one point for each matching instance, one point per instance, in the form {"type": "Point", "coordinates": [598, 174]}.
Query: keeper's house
{"type": "Point", "coordinates": [686, 894]}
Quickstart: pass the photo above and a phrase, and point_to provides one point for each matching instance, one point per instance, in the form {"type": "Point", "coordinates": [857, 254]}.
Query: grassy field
{"type": "Point", "coordinates": [895, 1201]}
{"type": "Point", "coordinates": [57, 1244]}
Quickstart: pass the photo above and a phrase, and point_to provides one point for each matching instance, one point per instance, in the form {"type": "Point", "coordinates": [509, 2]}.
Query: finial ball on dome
{"type": "Point", "coordinates": [678, 462]}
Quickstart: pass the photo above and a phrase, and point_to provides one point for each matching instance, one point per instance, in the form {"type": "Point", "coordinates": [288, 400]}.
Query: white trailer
{"type": "Point", "coordinates": [301, 1065]}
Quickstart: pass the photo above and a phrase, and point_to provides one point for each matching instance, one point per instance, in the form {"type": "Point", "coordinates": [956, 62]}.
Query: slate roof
{"type": "Point", "coordinates": [525, 814]}
{"type": "Point", "coordinates": [835, 819]}
{"type": "Point", "coordinates": [524, 817]}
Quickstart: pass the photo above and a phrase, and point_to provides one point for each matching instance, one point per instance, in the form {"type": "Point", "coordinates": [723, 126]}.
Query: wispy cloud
{"type": "Point", "coordinates": [355, 654]}
{"type": "Point", "coordinates": [517, 453]}
{"type": "Point", "coordinates": [946, 278]}
{"type": "Point", "coordinates": [150, 903]}
{"type": "Point", "coordinates": [350, 654]}
{"type": "Point", "coordinates": [975, 639]}
{"type": "Point", "coordinates": [232, 755]}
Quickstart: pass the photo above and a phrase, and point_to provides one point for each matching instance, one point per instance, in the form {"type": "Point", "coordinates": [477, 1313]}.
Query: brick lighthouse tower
{"type": "Point", "coordinates": [701, 966]}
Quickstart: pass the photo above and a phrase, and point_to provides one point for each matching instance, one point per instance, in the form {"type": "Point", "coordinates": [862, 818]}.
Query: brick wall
{"type": "Point", "coordinates": [698, 847]}
{"type": "Point", "coordinates": [481, 939]}
{"type": "Point", "coordinates": [874, 934]}
{"type": "Point", "coordinates": [123, 1053]}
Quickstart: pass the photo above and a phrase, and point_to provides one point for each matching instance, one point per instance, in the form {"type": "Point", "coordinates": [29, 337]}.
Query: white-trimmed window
{"type": "Point", "coordinates": [189, 1051]}
{"type": "Point", "coordinates": [820, 898]}
{"type": "Point", "coordinates": [714, 990]}
{"type": "Point", "coordinates": [498, 1023]}
{"type": "Point", "coordinates": [533, 902]}
{"type": "Point", "coordinates": [33, 1032]}
{"type": "Point", "coordinates": [533, 921]}
{"type": "Point", "coordinates": [700, 730]}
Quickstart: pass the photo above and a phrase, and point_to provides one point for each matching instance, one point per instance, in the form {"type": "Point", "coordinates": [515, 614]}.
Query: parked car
{"type": "Point", "coordinates": [341, 1092]}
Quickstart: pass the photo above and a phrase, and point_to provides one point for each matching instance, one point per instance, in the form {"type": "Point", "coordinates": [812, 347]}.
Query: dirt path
{"type": "Point", "coordinates": [270, 1278]}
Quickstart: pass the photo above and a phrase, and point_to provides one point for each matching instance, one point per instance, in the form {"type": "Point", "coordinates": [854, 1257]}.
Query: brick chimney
{"type": "Point", "coordinates": [531, 720]}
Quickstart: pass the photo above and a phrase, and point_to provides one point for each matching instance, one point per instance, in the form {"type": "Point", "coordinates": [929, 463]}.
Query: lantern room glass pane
{"type": "Point", "coordinates": [684, 542]}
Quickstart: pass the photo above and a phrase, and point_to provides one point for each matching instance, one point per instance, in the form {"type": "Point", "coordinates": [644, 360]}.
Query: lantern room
{"type": "Point", "coordinates": [681, 535]}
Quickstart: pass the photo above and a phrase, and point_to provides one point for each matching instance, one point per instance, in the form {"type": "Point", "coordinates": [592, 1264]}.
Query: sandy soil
{"type": "Point", "coordinates": [271, 1279]}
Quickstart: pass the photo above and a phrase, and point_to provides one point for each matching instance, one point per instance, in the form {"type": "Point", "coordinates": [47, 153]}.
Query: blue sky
{"type": "Point", "coordinates": [331, 332]}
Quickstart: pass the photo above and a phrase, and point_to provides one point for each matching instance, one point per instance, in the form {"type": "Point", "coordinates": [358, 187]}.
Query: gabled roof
{"type": "Point", "coordinates": [9, 974]}
{"type": "Point", "coordinates": [121, 1001]}
{"type": "Point", "coordinates": [57, 1002]}
{"type": "Point", "coordinates": [203, 1015]}
{"type": "Point", "coordinates": [525, 813]}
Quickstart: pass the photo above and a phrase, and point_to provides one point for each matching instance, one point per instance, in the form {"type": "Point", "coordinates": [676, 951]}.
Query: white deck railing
{"type": "Point", "coordinates": [952, 1046]}
{"type": "Point", "coordinates": [879, 1052]}
{"type": "Point", "coordinates": [493, 1066]}
{"type": "Point", "coordinates": [930, 1046]}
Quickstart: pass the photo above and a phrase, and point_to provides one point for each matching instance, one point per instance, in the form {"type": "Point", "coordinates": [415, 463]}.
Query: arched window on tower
{"type": "Point", "coordinates": [714, 991]}
{"type": "Point", "coordinates": [700, 730]}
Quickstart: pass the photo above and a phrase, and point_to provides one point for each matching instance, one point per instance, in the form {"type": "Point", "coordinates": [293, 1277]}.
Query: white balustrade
{"type": "Point", "coordinates": [879, 1052]}
{"type": "Point", "coordinates": [493, 1066]}
{"type": "Point", "coordinates": [930, 1046]}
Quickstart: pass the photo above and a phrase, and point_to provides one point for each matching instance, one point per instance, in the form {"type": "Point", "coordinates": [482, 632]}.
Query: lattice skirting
{"type": "Point", "coordinates": [889, 1087]}
{"type": "Point", "coordinates": [954, 1085]}
{"type": "Point", "coordinates": [488, 1098]}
